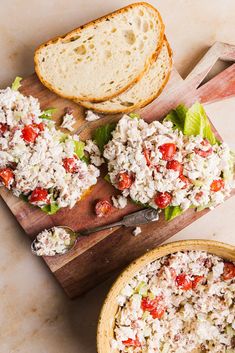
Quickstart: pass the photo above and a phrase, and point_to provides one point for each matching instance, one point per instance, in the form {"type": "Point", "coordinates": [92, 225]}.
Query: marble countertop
{"type": "Point", "coordinates": [35, 314]}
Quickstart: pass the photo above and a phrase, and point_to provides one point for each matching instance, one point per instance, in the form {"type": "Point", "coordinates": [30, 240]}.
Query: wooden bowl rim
{"type": "Point", "coordinates": [150, 256]}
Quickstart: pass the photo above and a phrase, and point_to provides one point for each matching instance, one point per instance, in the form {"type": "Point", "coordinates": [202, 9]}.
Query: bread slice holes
{"type": "Point", "coordinates": [145, 26]}
{"type": "Point", "coordinates": [111, 82]}
{"type": "Point", "coordinates": [113, 30]}
{"type": "Point", "coordinates": [74, 38]}
{"type": "Point", "coordinates": [145, 37]}
{"type": "Point", "coordinates": [90, 38]}
{"type": "Point", "coordinates": [81, 50]}
{"type": "Point", "coordinates": [130, 37]}
{"type": "Point", "coordinates": [141, 13]}
{"type": "Point", "coordinates": [126, 104]}
{"type": "Point", "coordinates": [151, 24]}
{"type": "Point", "coordinates": [79, 60]}
{"type": "Point", "coordinates": [91, 46]}
{"type": "Point", "coordinates": [127, 66]}
{"type": "Point", "coordinates": [62, 51]}
{"type": "Point", "coordinates": [108, 54]}
{"type": "Point", "coordinates": [128, 52]}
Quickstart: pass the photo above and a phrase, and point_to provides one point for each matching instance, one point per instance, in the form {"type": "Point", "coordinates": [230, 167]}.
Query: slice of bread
{"type": "Point", "coordinates": [102, 58]}
{"type": "Point", "coordinates": [144, 91]}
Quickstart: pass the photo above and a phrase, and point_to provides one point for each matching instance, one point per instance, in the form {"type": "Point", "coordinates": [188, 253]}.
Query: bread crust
{"type": "Point", "coordinates": [91, 23]}
{"type": "Point", "coordinates": [142, 104]}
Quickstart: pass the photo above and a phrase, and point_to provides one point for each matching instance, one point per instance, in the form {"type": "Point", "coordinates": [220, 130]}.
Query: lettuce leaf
{"type": "Point", "coordinates": [177, 117]}
{"type": "Point", "coordinates": [51, 209]}
{"type": "Point", "coordinates": [192, 121]}
{"type": "Point", "coordinates": [79, 149]}
{"type": "Point", "coordinates": [171, 212]}
{"type": "Point", "coordinates": [16, 84]}
{"type": "Point", "coordinates": [103, 134]}
{"type": "Point", "coordinates": [47, 114]}
{"type": "Point", "coordinates": [197, 123]}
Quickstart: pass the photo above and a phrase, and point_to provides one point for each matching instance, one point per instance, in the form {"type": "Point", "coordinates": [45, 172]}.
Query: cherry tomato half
{"type": "Point", "coordinates": [168, 151]}
{"type": "Point", "coordinates": [7, 176]}
{"type": "Point", "coordinates": [124, 180]}
{"type": "Point", "coordinates": [39, 195]}
{"type": "Point", "coordinates": [70, 165]}
{"type": "Point", "coordinates": [162, 199]}
{"type": "Point", "coordinates": [217, 185]}
{"type": "Point", "coordinates": [175, 165]}
{"type": "Point", "coordinates": [183, 282]}
{"type": "Point", "coordinates": [154, 306]}
{"type": "Point", "coordinates": [229, 271]}
{"type": "Point", "coordinates": [29, 133]}
{"type": "Point", "coordinates": [185, 180]}
{"type": "Point", "coordinates": [102, 208]}
{"type": "Point", "coordinates": [132, 343]}
{"type": "Point", "coordinates": [147, 154]}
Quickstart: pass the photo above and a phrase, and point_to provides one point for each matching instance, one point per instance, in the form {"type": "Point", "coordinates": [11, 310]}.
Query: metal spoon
{"type": "Point", "coordinates": [131, 220]}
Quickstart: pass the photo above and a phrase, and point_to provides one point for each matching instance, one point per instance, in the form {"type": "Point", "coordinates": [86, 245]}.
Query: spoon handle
{"type": "Point", "coordinates": [97, 229]}
{"type": "Point", "coordinates": [131, 220]}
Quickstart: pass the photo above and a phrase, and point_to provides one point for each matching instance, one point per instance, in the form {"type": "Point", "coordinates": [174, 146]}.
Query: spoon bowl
{"type": "Point", "coordinates": [73, 241]}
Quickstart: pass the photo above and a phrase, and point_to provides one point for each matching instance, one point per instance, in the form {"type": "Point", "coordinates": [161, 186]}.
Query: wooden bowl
{"type": "Point", "coordinates": [107, 317]}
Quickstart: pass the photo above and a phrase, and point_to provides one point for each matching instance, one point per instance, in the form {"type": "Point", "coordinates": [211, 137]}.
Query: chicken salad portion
{"type": "Point", "coordinates": [38, 162]}
{"type": "Point", "coordinates": [183, 302]}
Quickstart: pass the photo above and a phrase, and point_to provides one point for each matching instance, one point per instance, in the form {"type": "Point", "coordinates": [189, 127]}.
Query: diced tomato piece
{"type": "Point", "coordinates": [132, 343]}
{"type": "Point", "coordinates": [183, 282]}
{"type": "Point", "coordinates": [3, 128]}
{"type": "Point", "coordinates": [154, 306]}
{"type": "Point", "coordinates": [102, 208]}
{"type": "Point", "coordinates": [175, 165]}
{"type": "Point", "coordinates": [185, 180]}
{"type": "Point", "coordinates": [124, 180]}
{"type": "Point", "coordinates": [39, 195]}
{"type": "Point", "coordinates": [7, 176]}
{"type": "Point", "coordinates": [229, 271]}
{"type": "Point", "coordinates": [29, 133]}
{"type": "Point", "coordinates": [168, 151]}
{"type": "Point", "coordinates": [217, 185]}
{"type": "Point", "coordinates": [147, 154]}
{"type": "Point", "coordinates": [70, 165]}
{"type": "Point", "coordinates": [203, 153]}
{"type": "Point", "coordinates": [162, 199]}
{"type": "Point", "coordinates": [158, 312]}
{"type": "Point", "coordinates": [196, 280]}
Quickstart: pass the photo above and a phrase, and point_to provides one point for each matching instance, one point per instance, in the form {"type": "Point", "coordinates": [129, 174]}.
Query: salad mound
{"type": "Point", "coordinates": [183, 302]}
{"type": "Point", "coordinates": [173, 165]}
{"type": "Point", "coordinates": [38, 162]}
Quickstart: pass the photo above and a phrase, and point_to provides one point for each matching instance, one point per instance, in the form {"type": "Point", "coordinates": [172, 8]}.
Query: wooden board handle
{"type": "Point", "coordinates": [219, 50]}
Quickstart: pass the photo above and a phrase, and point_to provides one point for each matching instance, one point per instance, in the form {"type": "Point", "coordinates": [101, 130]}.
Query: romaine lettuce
{"type": "Point", "coordinates": [16, 84]}
{"type": "Point", "coordinates": [103, 134]}
{"type": "Point", "coordinates": [47, 114]}
{"type": "Point", "coordinates": [171, 212]}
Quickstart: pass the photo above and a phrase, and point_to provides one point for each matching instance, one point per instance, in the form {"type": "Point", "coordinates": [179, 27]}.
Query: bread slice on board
{"type": "Point", "coordinates": [144, 91]}
{"type": "Point", "coordinates": [103, 58]}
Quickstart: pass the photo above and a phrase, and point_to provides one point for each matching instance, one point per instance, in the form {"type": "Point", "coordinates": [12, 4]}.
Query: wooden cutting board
{"type": "Point", "coordinates": [98, 255]}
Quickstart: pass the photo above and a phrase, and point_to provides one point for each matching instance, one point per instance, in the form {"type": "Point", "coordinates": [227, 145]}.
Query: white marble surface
{"type": "Point", "coordinates": [35, 315]}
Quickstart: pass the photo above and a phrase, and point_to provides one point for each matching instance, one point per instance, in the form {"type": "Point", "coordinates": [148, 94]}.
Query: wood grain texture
{"type": "Point", "coordinates": [95, 257]}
